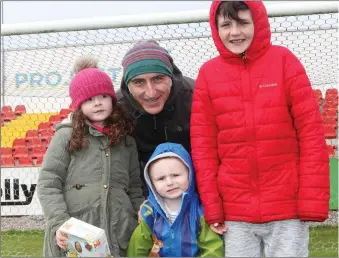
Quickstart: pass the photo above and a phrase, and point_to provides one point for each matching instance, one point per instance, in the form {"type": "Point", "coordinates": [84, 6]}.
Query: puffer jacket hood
{"type": "Point", "coordinates": [170, 150]}
{"type": "Point", "coordinates": [262, 33]}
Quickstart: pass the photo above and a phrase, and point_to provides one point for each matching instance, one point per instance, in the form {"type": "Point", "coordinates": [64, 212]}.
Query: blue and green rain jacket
{"type": "Point", "coordinates": [189, 235]}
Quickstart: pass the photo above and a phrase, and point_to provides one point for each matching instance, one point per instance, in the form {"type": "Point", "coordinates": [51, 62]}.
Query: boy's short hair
{"type": "Point", "coordinates": [230, 9]}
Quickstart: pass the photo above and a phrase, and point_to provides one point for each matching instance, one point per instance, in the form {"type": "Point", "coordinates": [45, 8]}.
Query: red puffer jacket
{"type": "Point", "coordinates": [257, 138]}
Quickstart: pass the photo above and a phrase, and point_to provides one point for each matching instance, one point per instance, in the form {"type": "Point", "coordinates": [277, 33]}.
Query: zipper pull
{"type": "Point", "coordinates": [243, 56]}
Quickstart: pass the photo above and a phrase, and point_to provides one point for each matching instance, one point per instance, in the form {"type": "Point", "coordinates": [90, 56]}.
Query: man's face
{"type": "Point", "coordinates": [151, 90]}
{"type": "Point", "coordinates": [236, 36]}
{"type": "Point", "coordinates": [169, 177]}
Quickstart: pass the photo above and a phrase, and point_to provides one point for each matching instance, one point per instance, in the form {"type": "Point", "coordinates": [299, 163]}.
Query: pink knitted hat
{"type": "Point", "coordinates": [87, 83]}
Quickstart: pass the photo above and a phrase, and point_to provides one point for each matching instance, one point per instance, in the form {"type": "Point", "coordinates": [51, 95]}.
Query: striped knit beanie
{"type": "Point", "coordinates": [146, 57]}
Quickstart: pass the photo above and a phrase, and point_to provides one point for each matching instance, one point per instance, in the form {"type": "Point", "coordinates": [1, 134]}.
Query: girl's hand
{"type": "Point", "coordinates": [61, 240]}
{"type": "Point", "coordinates": [219, 228]}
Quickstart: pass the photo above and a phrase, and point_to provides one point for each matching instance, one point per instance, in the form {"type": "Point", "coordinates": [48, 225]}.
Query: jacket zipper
{"type": "Point", "coordinates": [243, 56]}
{"type": "Point", "coordinates": [155, 122]}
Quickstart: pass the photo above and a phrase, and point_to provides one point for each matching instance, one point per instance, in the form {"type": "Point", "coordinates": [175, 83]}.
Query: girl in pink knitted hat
{"type": "Point", "coordinates": [91, 169]}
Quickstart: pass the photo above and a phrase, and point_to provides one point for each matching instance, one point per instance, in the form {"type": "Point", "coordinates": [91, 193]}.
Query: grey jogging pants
{"type": "Point", "coordinates": [285, 238]}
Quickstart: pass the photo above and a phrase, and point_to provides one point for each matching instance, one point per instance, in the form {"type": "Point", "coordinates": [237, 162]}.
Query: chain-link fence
{"type": "Point", "coordinates": [36, 71]}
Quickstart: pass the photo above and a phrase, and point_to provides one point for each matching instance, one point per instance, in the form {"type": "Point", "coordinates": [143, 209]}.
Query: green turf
{"type": "Point", "coordinates": [323, 242]}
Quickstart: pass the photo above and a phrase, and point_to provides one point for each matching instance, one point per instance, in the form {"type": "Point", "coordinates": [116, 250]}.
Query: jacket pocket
{"type": "Point", "coordinates": [124, 219]}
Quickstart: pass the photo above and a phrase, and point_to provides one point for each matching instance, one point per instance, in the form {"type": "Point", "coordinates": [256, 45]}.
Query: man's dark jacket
{"type": "Point", "coordinates": [172, 124]}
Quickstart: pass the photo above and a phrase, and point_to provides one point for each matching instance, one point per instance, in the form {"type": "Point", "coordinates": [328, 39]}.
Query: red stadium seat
{"type": "Point", "coordinates": [8, 116]}
{"type": "Point", "coordinates": [329, 120]}
{"type": "Point", "coordinates": [38, 161]}
{"type": "Point", "coordinates": [6, 152]}
{"type": "Point", "coordinates": [7, 109]}
{"type": "Point", "coordinates": [48, 133]}
{"type": "Point", "coordinates": [21, 152]}
{"type": "Point", "coordinates": [38, 151]}
{"type": "Point", "coordinates": [7, 162]}
{"type": "Point", "coordinates": [318, 96]}
{"type": "Point", "coordinates": [65, 112]}
{"type": "Point", "coordinates": [20, 109]}
{"type": "Point", "coordinates": [43, 126]}
{"type": "Point", "coordinates": [19, 142]}
{"type": "Point", "coordinates": [47, 141]}
{"type": "Point", "coordinates": [34, 142]}
{"type": "Point", "coordinates": [330, 113]}
{"type": "Point", "coordinates": [31, 134]}
{"type": "Point", "coordinates": [331, 150]}
{"type": "Point", "coordinates": [331, 92]}
{"type": "Point", "coordinates": [330, 106]}
{"type": "Point", "coordinates": [55, 119]}
{"type": "Point", "coordinates": [330, 131]}
{"type": "Point", "coordinates": [25, 162]}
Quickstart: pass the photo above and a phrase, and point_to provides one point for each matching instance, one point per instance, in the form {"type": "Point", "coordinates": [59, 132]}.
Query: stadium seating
{"type": "Point", "coordinates": [25, 137]}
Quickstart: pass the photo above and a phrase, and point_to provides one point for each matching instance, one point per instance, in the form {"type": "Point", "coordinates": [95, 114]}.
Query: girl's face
{"type": "Point", "coordinates": [236, 36]}
{"type": "Point", "coordinates": [97, 109]}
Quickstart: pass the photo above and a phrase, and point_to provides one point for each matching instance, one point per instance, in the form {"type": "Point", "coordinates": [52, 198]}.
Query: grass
{"type": "Point", "coordinates": [323, 242]}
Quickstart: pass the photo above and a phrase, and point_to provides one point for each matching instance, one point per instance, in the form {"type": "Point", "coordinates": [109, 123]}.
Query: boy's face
{"type": "Point", "coordinates": [169, 177]}
{"type": "Point", "coordinates": [236, 36]}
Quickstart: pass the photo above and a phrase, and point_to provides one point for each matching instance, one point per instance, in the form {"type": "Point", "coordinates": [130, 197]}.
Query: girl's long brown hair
{"type": "Point", "coordinates": [119, 124]}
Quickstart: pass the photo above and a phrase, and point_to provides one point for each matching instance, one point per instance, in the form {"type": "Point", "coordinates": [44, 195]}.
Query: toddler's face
{"type": "Point", "coordinates": [169, 177]}
{"type": "Point", "coordinates": [236, 36]}
{"type": "Point", "coordinates": [97, 109]}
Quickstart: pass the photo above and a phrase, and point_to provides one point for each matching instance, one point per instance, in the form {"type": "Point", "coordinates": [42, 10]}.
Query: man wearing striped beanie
{"type": "Point", "coordinates": [157, 96]}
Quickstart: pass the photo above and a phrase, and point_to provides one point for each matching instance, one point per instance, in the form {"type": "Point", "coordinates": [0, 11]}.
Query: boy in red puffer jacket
{"type": "Point", "coordinates": [257, 139]}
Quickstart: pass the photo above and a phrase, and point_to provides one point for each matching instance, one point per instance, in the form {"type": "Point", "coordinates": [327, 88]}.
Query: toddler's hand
{"type": "Point", "coordinates": [219, 228]}
{"type": "Point", "coordinates": [61, 240]}
{"type": "Point", "coordinates": [139, 212]}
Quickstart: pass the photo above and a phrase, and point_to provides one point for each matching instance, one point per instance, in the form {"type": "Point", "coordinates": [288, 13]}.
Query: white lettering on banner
{"type": "Point", "coordinates": [19, 191]}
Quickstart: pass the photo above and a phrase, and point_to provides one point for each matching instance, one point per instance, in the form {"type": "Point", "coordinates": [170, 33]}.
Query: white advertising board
{"type": "Point", "coordinates": [19, 191]}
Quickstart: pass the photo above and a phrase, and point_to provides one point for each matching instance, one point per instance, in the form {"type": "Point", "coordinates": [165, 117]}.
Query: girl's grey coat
{"type": "Point", "coordinates": [99, 185]}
